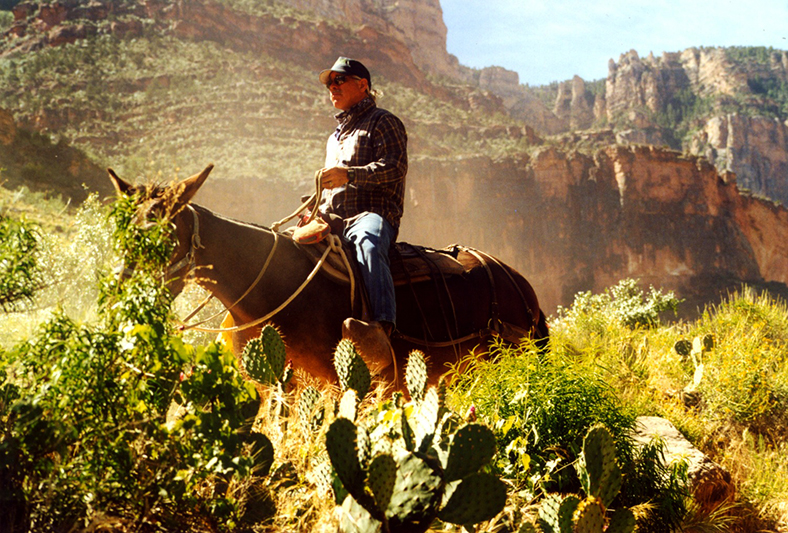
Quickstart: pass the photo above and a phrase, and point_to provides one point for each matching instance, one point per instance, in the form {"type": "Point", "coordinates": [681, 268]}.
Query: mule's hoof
{"type": "Point", "coordinates": [371, 341]}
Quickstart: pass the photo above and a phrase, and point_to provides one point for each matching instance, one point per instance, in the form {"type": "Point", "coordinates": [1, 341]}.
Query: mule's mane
{"type": "Point", "coordinates": [164, 198]}
{"type": "Point", "coordinates": [226, 218]}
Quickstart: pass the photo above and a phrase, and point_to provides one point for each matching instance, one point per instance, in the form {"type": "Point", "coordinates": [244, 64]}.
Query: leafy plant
{"type": "Point", "coordinates": [624, 303]}
{"type": "Point", "coordinates": [20, 274]}
{"type": "Point", "coordinates": [84, 429]}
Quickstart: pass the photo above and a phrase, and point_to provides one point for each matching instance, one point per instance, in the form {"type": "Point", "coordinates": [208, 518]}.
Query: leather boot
{"type": "Point", "coordinates": [372, 342]}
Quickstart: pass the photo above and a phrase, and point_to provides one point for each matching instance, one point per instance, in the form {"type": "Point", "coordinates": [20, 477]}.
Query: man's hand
{"type": "Point", "coordinates": [334, 177]}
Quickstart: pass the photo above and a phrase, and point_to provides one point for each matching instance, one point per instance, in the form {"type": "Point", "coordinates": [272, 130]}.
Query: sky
{"type": "Point", "coordinates": [545, 41]}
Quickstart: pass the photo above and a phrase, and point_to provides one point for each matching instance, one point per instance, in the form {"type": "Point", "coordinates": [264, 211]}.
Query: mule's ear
{"type": "Point", "coordinates": [121, 186]}
{"type": "Point", "coordinates": [190, 186]}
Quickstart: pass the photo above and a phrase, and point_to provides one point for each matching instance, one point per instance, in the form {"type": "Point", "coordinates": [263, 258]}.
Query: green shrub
{"type": "Point", "coordinates": [623, 304]}
{"type": "Point", "coordinates": [85, 436]}
{"type": "Point", "coordinates": [541, 406]}
{"type": "Point", "coordinates": [20, 275]}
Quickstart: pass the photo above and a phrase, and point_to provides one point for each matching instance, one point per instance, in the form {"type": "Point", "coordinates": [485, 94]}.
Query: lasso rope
{"type": "Point", "coordinates": [315, 198]}
{"type": "Point", "coordinates": [335, 244]}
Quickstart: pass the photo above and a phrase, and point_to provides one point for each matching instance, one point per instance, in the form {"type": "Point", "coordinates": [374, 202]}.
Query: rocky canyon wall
{"type": "Point", "coordinates": [574, 222]}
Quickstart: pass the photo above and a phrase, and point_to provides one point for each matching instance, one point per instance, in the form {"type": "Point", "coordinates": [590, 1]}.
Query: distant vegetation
{"type": "Point", "coordinates": [160, 102]}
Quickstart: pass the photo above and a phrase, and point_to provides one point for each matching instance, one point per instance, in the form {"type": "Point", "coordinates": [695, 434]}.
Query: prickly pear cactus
{"type": "Point", "coordinates": [589, 516]}
{"type": "Point", "coordinates": [351, 369]}
{"type": "Point", "coordinates": [264, 357]}
{"type": "Point", "coordinates": [555, 513]}
{"type": "Point", "coordinates": [255, 363]}
{"type": "Point", "coordinates": [478, 497]}
{"type": "Point", "coordinates": [342, 447]}
{"type": "Point", "coordinates": [413, 462]}
{"type": "Point", "coordinates": [274, 348]}
{"type": "Point", "coordinates": [310, 413]}
{"type": "Point", "coordinates": [381, 478]}
{"type": "Point", "coordinates": [621, 521]}
{"type": "Point", "coordinates": [683, 347]}
{"type": "Point", "coordinates": [262, 450]}
{"type": "Point", "coordinates": [348, 405]}
{"type": "Point", "coordinates": [600, 477]}
{"type": "Point", "coordinates": [416, 375]}
{"type": "Point", "coordinates": [599, 472]}
{"type": "Point", "coordinates": [418, 491]}
{"type": "Point", "coordinates": [471, 448]}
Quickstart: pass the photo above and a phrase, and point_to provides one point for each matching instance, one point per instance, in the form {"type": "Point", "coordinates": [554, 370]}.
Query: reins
{"type": "Point", "coordinates": [334, 245]}
{"type": "Point", "coordinates": [315, 198]}
{"type": "Point", "coordinates": [189, 260]}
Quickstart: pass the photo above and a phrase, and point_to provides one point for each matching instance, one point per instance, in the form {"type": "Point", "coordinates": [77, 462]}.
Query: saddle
{"type": "Point", "coordinates": [409, 263]}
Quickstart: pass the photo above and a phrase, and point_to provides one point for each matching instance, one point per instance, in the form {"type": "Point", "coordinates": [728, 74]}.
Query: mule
{"type": "Point", "coordinates": [446, 317]}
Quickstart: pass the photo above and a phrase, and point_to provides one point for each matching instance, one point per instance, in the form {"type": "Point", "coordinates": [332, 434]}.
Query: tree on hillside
{"type": "Point", "coordinates": [19, 272]}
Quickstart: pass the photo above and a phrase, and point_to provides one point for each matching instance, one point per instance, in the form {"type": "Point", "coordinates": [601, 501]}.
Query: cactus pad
{"type": "Point", "coordinates": [555, 514]}
{"type": "Point", "coordinates": [418, 491]}
{"type": "Point", "coordinates": [320, 474]}
{"type": "Point", "coordinates": [477, 498]}
{"type": "Point", "coordinates": [683, 347]}
{"type": "Point", "coordinates": [262, 451]}
{"type": "Point", "coordinates": [472, 447]}
{"type": "Point", "coordinates": [274, 348]}
{"type": "Point", "coordinates": [264, 357]}
{"type": "Point", "coordinates": [348, 405]}
{"type": "Point", "coordinates": [548, 514]}
{"type": "Point", "coordinates": [589, 516]}
{"type": "Point", "coordinates": [256, 364]}
{"type": "Point", "coordinates": [621, 521]}
{"type": "Point", "coordinates": [342, 447]}
{"type": "Point", "coordinates": [310, 413]}
{"type": "Point", "coordinates": [381, 478]}
{"type": "Point", "coordinates": [426, 417]}
{"type": "Point", "coordinates": [416, 375]}
{"type": "Point", "coordinates": [351, 369]}
{"type": "Point", "coordinates": [708, 342]}
{"type": "Point", "coordinates": [599, 472]}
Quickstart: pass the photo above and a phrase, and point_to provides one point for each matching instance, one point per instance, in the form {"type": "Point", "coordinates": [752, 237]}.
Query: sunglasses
{"type": "Point", "coordinates": [340, 79]}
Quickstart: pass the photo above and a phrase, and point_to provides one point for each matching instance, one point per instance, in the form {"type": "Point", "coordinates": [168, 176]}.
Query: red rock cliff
{"type": "Point", "coordinates": [571, 222]}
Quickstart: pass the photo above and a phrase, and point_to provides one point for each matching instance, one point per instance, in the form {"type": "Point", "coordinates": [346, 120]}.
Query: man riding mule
{"type": "Point", "coordinates": [264, 276]}
{"type": "Point", "coordinates": [364, 184]}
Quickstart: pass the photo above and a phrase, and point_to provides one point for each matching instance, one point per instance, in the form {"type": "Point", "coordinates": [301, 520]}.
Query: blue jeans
{"type": "Point", "coordinates": [371, 236]}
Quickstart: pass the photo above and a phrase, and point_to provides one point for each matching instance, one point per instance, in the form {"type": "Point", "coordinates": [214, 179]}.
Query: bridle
{"type": "Point", "coordinates": [189, 260]}
{"type": "Point", "coordinates": [334, 244]}
{"type": "Point", "coordinates": [194, 245]}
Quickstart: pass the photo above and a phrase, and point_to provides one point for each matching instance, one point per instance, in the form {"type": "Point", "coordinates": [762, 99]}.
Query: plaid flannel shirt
{"type": "Point", "coordinates": [372, 144]}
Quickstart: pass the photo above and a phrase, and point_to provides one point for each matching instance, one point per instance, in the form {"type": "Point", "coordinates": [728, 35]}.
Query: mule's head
{"type": "Point", "coordinates": [168, 203]}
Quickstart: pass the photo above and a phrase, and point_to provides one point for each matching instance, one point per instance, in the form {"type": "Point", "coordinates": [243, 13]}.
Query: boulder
{"type": "Point", "coordinates": [710, 483]}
